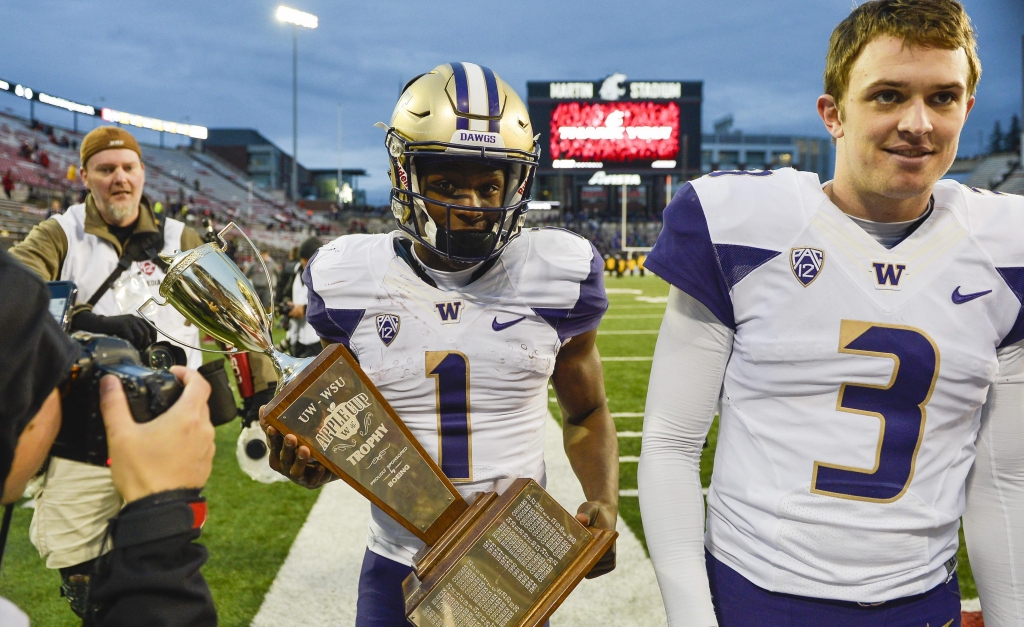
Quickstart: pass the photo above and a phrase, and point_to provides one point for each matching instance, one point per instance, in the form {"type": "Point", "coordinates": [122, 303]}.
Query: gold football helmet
{"type": "Point", "coordinates": [461, 112]}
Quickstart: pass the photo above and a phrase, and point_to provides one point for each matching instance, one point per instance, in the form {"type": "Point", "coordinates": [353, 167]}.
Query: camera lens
{"type": "Point", "coordinates": [159, 357]}
{"type": "Point", "coordinates": [255, 449]}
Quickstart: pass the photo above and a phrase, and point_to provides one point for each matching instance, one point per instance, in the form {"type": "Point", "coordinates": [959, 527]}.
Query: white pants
{"type": "Point", "coordinates": [72, 512]}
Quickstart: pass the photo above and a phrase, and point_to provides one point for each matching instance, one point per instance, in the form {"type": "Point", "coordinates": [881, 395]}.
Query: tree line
{"type": "Point", "coordinates": [1008, 141]}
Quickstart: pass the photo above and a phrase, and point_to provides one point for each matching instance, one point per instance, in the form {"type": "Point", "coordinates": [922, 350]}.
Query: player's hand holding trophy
{"type": "Point", "coordinates": [504, 560]}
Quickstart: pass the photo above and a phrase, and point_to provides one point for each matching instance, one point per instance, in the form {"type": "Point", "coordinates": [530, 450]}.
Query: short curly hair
{"type": "Point", "coordinates": [923, 23]}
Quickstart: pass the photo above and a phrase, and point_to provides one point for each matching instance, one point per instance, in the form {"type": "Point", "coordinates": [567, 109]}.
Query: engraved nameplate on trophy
{"type": "Point", "coordinates": [511, 566]}
{"type": "Point", "coordinates": [332, 408]}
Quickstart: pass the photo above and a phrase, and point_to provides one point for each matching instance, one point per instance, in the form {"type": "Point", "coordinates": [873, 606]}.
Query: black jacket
{"type": "Point", "coordinates": [151, 577]}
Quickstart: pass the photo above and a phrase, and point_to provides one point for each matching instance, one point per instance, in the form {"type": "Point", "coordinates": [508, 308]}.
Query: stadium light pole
{"type": "Point", "coordinates": [307, 20]}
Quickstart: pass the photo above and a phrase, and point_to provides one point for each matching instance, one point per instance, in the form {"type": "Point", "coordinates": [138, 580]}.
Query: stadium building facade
{"type": "Point", "coordinates": [732, 149]}
{"type": "Point", "coordinates": [597, 136]}
{"type": "Point", "coordinates": [267, 165]}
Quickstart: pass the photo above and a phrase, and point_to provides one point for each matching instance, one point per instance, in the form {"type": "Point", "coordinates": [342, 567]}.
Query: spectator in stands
{"type": "Point", "coordinates": [7, 182]}
{"type": "Point", "coordinates": [93, 244]}
{"type": "Point", "coordinates": [44, 159]}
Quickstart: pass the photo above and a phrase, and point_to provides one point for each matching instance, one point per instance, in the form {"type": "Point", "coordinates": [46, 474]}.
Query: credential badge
{"type": "Point", "coordinates": [387, 327]}
{"type": "Point", "coordinates": [806, 264]}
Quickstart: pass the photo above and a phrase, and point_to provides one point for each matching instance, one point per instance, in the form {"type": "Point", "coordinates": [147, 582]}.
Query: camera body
{"type": "Point", "coordinates": [150, 392]}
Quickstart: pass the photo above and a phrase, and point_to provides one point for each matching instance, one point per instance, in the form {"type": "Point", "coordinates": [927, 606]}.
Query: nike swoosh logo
{"type": "Point", "coordinates": [501, 326]}
{"type": "Point", "coordinates": [960, 299]}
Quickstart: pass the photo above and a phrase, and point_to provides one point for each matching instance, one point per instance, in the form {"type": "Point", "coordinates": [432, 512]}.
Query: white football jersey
{"type": "Point", "coordinates": [852, 398]}
{"type": "Point", "coordinates": [467, 369]}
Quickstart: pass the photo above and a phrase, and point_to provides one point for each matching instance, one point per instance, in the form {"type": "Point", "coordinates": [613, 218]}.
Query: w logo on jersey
{"type": "Point", "coordinates": [806, 264]}
{"type": "Point", "coordinates": [449, 312]}
{"type": "Point", "coordinates": [888, 275]}
{"type": "Point", "coordinates": [387, 327]}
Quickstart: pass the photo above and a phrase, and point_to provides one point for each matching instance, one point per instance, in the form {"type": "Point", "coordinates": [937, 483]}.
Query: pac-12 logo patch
{"type": "Point", "coordinates": [806, 264]}
{"type": "Point", "coordinates": [387, 327]}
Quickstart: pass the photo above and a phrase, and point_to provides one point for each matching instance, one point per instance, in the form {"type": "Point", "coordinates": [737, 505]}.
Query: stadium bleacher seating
{"type": "Point", "coordinates": [993, 170]}
{"type": "Point", "coordinates": [206, 183]}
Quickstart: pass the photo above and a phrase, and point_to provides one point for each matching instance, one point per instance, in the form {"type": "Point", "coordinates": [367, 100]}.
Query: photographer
{"type": "Point", "coordinates": [151, 575]}
{"type": "Point", "coordinates": [109, 247]}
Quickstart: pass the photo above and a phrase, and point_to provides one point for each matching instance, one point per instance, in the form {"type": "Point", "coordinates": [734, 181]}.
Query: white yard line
{"type": "Point", "coordinates": [630, 434]}
{"type": "Point", "coordinates": [970, 605]}
{"type": "Point", "coordinates": [632, 316]}
{"type": "Point", "coordinates": [629, 595]}
{"type": "Point", "coordinates": [317, 583]}
{"type": "Point", "coordinates": [625, 459]}
{"type": "Point", "coordinates": [622, 290]}
{"type": "Point", "coordinates": [651, 358]}
{"type": "Point", "coordinates": [628, 414]}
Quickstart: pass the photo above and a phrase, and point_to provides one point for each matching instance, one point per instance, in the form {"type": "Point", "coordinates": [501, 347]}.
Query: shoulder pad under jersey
{"type": "Point", "coordinates": [342, 278]}
{"type": "Point", "coordinates": [561, 276]}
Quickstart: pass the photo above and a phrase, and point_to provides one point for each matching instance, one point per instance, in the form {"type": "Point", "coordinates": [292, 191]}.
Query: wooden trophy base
{"type": "Point", "coordinates": [509, 560]}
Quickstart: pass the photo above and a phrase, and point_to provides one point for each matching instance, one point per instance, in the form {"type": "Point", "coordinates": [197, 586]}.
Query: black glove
{"type": "Point", "coordinates": [251, 406]}
{"type": "Point", "coordinates": [132, 328]}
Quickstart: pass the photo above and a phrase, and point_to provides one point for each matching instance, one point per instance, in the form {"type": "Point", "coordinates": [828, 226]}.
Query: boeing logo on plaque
{"type": "Point", "coordinates": [506, 560]}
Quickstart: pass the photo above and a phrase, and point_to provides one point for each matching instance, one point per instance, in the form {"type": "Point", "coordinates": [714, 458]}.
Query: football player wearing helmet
{"type": "Point", "coordinates": [865, 340]}
{"type": "Point", "coordinates": [462, 317]}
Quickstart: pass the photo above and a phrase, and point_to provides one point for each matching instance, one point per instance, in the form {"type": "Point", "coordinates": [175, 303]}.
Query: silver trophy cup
{"type": "Point", "coordinates": [206, 287]}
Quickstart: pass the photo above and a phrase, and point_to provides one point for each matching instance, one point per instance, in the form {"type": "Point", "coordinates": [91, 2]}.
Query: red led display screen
{"type": "Point", "coordinates": [615, 132]}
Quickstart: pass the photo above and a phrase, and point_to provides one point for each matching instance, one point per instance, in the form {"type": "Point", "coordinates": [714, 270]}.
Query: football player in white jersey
{"type": "Point", "coordinates": [864, 341]}
{"type": "Point", "coordinates": [462, 317]}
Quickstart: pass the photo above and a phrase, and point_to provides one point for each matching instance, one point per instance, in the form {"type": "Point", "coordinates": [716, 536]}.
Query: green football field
{"type": "Point", "coordinates": [251, 526]}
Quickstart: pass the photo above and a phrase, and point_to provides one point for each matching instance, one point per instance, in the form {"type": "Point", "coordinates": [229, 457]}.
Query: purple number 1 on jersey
{"type": "Point", "coordinates": [899, 406]}
{"type": "Point", "coordinates": [450, 371]}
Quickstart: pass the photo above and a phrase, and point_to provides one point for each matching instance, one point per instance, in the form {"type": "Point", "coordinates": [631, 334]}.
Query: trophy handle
{"type": "Point", "coordinates": [153, 324]}
{"type": "Point", "coordinates": [270, 279]}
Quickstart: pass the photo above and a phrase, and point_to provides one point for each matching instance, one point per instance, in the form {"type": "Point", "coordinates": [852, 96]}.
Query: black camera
{"type": "Point", "coordinates": [150, 392]}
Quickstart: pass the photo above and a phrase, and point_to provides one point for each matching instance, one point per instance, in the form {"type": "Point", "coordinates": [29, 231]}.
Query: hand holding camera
{"type": "Point", "coordinates": [172, 452]}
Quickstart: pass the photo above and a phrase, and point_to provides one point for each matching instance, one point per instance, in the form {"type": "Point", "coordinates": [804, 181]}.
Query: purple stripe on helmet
{"type": "Point", "coordinates": [586, 314]}
{"type": "Point", "coordinates": [493, 103]}
{"type": "Point", "coordinates": [461, 95]}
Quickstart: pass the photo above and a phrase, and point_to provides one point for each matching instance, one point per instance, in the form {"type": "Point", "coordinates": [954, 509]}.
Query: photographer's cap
{"type": "Point", "coordinates": [107, 138]}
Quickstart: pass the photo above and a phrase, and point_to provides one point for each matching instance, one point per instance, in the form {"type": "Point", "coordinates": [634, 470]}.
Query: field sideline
{"type": "Point", "coordinates": [251, 526]}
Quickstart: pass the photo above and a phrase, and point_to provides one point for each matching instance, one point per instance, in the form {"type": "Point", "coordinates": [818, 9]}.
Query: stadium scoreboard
{"type": "Point", "coordinates": [618, 125]}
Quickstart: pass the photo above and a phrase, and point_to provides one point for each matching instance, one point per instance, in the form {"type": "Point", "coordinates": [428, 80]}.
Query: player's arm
{"type": "Point", "coordinates": [588, 434]}
{"type": "Point", "coordinates": [686, 378]}
{"type": "Point", "coordinates": [994, 518]}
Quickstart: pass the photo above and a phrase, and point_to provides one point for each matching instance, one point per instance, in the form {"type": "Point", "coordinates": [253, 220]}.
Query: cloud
{"type": "Point", "coordinates": [228, 63]}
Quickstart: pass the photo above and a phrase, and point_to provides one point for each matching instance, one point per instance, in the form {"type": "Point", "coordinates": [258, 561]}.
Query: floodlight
{"type": "Point", "coordinates": [299, 18]}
